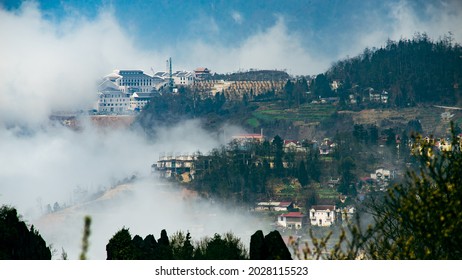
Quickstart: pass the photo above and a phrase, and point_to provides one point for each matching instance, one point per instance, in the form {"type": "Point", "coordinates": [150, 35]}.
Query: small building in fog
{"type": "Point", "coordinates": [292, 220]}
{"type": "Point", "coordinates": [322, 215]}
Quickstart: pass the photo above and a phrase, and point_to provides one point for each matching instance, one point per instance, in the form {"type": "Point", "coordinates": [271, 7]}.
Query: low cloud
{"type": "Point", "coordinates": [273, 48]}
{"type": "Point", "coordinates": [73, 169]}
{"type": "Point", "coordinates": [402, 20]}
{"type": "Point", "coordinates": [47, 66]}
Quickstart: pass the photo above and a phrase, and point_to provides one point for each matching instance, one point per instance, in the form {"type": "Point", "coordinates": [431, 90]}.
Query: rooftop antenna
{"type": "Point", "coordinates": [170, 74]}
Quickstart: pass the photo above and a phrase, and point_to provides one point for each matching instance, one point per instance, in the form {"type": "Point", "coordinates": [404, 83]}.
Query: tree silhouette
{"type": "Point", "coordinates": [17, 242]}
{"type": "Point", "coordinates": [269, 247]}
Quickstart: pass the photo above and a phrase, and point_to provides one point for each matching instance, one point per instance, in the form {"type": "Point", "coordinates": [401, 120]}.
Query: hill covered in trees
{"type": "Point", "coordinates": [412, 71]}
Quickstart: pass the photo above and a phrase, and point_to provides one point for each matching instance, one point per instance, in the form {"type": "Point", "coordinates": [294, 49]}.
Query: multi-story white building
{"type": "Point", "coordinates": [130, 81]}
{"type": "Point", "coordinates": [111, 99]}
{"type": "Point", "coordinates": [139, 100]}
{"type": "Point", "coordinates": [183, 78]}
{"type": "Point", "coordinates": [180, 78]}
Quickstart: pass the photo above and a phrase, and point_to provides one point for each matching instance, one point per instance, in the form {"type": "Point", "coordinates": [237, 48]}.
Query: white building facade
{"type": "Point", "coordinates": [322, 215]}
{"type": "Point", "coordinates": [183, 78]}
{"type": "Point", "coordinates": [111, 100]}
{"type": "Point", "coordinates": [292, 220]}
{"type": "Point", "coordinates": [130, 81]}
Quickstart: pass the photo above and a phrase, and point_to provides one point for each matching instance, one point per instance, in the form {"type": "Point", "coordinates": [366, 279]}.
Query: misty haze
{"type": "Point", "coordinates": [215, 118]}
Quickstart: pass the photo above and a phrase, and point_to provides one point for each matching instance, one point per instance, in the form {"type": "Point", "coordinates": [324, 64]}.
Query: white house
{"type": "Point", "coordinates": [322, 215]}
{"type": "Point", "coordinates": [293, 146]}
{"type": "Point", "coordinates": [327, 147]}
{"type": "Point", "coordinates": [292, 220]}
{"type": "Point", "coordinates": [277, 206]}
{"type": "Point", "coordinates": [381, 174]}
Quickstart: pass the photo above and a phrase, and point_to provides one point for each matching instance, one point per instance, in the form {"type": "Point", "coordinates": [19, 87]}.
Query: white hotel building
{"type": "Point", "coordinates": [111, 100]}
{"type": "Point", "coordinates": [125, 91]}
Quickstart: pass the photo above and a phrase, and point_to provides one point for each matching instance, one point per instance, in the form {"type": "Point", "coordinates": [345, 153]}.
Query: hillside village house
{"type": "Point", "coordinates": [292, 220]}
{"type": "Point", "coordinates": [202, 73]}
{"type": "Point", "coordinates": [327, 147]}
{"type": "Point", "coordinates": [293, 146]}
{"type": "Point", "coordinates": [322, 215]}
{"type": "Point", "coordinates": [382, 174]}
{"type": "Point", "coordinates": [277, 206]}
{"type": "Point", "coordinates": [246, 138]}
{"type": "Point", "coordinates": [168, 166]}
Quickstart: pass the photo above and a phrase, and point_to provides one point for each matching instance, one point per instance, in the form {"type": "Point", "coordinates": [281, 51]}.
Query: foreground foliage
{"type": "Point", "coordinates": [17, 241]}
{"type": "Point", "coordinates": [180, 247]}
{"type": "Point", "coordinates": [418, 219]}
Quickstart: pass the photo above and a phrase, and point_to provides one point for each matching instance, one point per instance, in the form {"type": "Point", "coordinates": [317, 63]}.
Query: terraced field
{"type": "Point", "coordinates": [429, 116]}
{"type": "Point", "coordinates": [308, 113]}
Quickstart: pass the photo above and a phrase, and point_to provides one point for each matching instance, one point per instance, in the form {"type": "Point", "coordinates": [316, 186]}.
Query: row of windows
{"type": "Point", "coordinates": [112, 110]}
{"type": "Point", "coordinates": [136, 82]}
{"type": "Point", "coordinates": [116, 104]}
{"type": "Point", "coordinates": [112, 96]}
{"type": "Point", "coordinates": [122, 100]}
{"type": "Point", "coordinates": [115, 100]}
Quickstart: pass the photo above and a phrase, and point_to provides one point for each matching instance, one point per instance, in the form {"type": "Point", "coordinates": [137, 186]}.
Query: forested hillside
{"type": "Point", "coordinates": [411, 71]}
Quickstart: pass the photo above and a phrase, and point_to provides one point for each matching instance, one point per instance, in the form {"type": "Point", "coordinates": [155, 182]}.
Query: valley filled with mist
{"type": "Point", "coordinates": [312, 121]}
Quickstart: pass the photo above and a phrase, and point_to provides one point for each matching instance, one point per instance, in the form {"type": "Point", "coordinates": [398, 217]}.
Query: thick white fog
{"type": "Point", "coordinates": [54, 164]}
{"type": "Point", "coordinates": [47, 67]}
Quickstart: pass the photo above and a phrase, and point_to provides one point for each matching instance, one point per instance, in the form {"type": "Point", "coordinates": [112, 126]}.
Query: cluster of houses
{"type": "Point", "coordinates": [125, 91]}
{"type": "Point", "coordinates": [369, 94]}
{"type": "Point", "coordinates": [317, 215]}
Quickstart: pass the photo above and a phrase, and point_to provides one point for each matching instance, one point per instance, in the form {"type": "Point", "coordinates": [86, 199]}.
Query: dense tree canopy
{"type": "Point", "coordinates": [417, 219]}
{"type": "Point", "coordinates": [421, 218]}
{"type": "Point", "coordinates": [410, 70]}
{"type": "Point", "coordinates": [17, 241]}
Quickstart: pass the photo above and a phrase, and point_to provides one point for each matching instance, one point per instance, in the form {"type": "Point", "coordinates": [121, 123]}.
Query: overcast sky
{"type": "Point", "coordinates": [52, 53]}
{"type": "Point", "coordinates": [303, 37]}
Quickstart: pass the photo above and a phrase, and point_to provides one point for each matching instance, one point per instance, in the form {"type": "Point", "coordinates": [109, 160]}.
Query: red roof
{"type": "Point", "coordinates": [290, 141]}
{"type": "Point", "coordinates": [285, 203]}
{"type": "Point", "coordinates": [293, 215]}
{"type": "Point", "coordinates": [248, 136]}
{"type": "Point", "coordinates": [323, 207]}
{"type": "Point", "coordinates": [202, 69]}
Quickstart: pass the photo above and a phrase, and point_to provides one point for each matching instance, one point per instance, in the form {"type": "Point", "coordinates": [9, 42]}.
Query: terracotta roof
{"type": "Point", "coordinates": [201, 69]}
{"type": "Point", "coordinates": [293, 215]}
{"type": "Point", "coordinates": [285, 203]}
{"type": "Point", "coordinates": [248, 136]}
{"type": "Point", "coordinates": [323, 207]}
{"type": "Point", "coordinates": [290, 141]}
